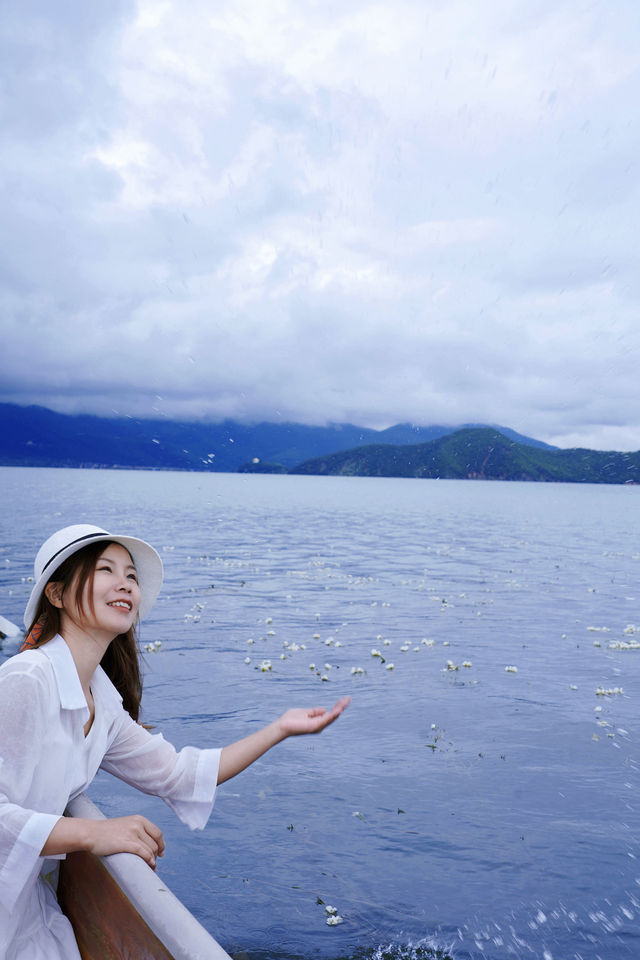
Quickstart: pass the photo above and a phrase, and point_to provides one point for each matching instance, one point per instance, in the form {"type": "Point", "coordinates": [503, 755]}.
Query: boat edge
{"type": "Point", "coordinates": [162, 911]}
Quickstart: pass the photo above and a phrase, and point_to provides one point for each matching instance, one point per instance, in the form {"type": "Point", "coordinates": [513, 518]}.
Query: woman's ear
{"type": "Point", "coordinates": [53, 593]}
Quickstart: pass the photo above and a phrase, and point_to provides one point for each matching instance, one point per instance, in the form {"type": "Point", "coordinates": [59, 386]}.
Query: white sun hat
{"type": "Point", "coordinates": [69, 540]}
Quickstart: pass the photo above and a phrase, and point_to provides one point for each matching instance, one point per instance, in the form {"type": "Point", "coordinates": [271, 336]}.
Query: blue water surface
{"type": "Point", "coordinates": [456, 810]}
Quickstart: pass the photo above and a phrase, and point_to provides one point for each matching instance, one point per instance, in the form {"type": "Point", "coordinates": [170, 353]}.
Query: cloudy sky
{"type": "Point", "coordinates": [311, 210]}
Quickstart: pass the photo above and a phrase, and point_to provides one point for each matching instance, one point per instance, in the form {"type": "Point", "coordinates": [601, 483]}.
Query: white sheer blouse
{"type": "Point", "coordinates": [45, 760]}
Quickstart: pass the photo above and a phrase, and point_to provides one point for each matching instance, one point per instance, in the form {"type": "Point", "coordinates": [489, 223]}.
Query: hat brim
{"type": "Point", "coordinates": [146, 559]}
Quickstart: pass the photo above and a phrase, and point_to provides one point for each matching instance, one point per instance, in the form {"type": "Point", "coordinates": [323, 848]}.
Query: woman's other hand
{"type": "Point", "coordinates": [134, 834]}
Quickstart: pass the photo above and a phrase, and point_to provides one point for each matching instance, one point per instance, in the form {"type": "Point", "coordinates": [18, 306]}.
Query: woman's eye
{"type": "Point", "coordinates": [133, 576]}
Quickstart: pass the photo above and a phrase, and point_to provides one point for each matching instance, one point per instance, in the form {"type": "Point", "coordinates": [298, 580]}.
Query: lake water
{"type": "Point", "coordinates": [476, 811]}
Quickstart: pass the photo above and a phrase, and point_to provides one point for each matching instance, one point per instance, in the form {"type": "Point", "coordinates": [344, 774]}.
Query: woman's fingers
{"type": "Point", "coordinates": [340, 705]}
{"type": "Point", "coordinates": [156, 834]}
{"type": "Point", "coordinates": [151, 840]}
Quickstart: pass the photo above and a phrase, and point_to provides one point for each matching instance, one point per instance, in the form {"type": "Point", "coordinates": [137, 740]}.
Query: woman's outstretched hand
{"type": "Point", "coordinates": [238, 756]}
{"type": "Point", "coordinates": [300, 720]}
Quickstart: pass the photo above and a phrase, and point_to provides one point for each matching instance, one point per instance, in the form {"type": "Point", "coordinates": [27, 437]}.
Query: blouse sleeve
{"type": "Point", "coordinates": [23, 719]}
{"type": "Point", "coordinates": [186, 780]}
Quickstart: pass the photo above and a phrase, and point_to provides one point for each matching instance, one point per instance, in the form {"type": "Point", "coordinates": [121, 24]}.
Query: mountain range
{"type": "Point", "coordinates": [38, 437]}
{"type": "Point", "coordinates": [35, 436]}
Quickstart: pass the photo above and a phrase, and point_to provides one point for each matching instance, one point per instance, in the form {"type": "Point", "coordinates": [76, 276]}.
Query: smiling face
{"type": "Point", "coordinates": [102, 597]}
{"type": "Point", "coordinates": [115, 597]}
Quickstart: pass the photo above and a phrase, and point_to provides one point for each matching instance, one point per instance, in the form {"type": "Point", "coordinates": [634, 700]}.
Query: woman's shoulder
{"type": "Point", "coordinates": [33, 665]}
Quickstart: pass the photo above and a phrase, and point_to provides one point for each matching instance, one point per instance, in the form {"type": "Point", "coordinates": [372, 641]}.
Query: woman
{"type": "Point", "coordinates": [69, 705]}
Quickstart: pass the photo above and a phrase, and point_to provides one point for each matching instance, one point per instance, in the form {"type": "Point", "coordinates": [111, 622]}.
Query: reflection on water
{"type": "Point", "coordinates": [457, 805]}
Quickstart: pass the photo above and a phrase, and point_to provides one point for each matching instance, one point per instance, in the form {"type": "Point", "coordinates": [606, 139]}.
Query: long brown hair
{"type": "Point", "coordinates": [121, 661]}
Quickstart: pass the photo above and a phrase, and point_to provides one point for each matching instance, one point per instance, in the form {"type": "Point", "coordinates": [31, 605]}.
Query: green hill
{"type": "Point", "coordinates": [478, 454]}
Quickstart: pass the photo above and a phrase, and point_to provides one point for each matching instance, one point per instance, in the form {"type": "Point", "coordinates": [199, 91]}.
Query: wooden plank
{"type": "Point", "coordinates": [106, 925]}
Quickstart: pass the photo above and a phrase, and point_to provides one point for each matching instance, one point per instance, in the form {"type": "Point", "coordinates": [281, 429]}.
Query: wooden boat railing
{"type": "Point", "coordinates": [121, 910]}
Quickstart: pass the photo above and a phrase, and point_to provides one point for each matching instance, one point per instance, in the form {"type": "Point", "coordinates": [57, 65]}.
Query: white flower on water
{"type": "Point", "coordinates": [356, 670]}
{"type": "Point", "coordinates": [312, 666]}
{"type": "Point", "coordinates": [334, 921]}
{"type": "Point", "coordinates": [332, 911]}
{"type": "Point", "coordinates": [389, 666]}
{"type": "Point", "coordinates": [375, 653]}
{"type": "Point", "coordinates": [265, 665]}
{"type": "Point", "coordinates": [467, 663]}
{"type": "Point", "coordinates": [247, 659]}
{"type": "Point", "coordinates": [511, 669]}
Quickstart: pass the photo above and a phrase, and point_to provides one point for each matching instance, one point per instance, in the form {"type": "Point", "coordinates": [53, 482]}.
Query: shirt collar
{"type": "Point", "coordinates": [67, 679]}
{"type": "Point", "coordinates": [69, 687]}
{"type": "Point", "coordinates": [104, 690]}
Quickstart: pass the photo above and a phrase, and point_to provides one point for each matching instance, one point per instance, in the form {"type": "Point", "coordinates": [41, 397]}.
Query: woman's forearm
{"type": "Point", "coordinates": [238, 756]}
{"type": "Point", "coordinates": [68, 835]}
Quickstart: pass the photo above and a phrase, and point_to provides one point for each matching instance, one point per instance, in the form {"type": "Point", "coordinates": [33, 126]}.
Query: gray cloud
{"type": "Point", "coordinates": [423, 212]}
